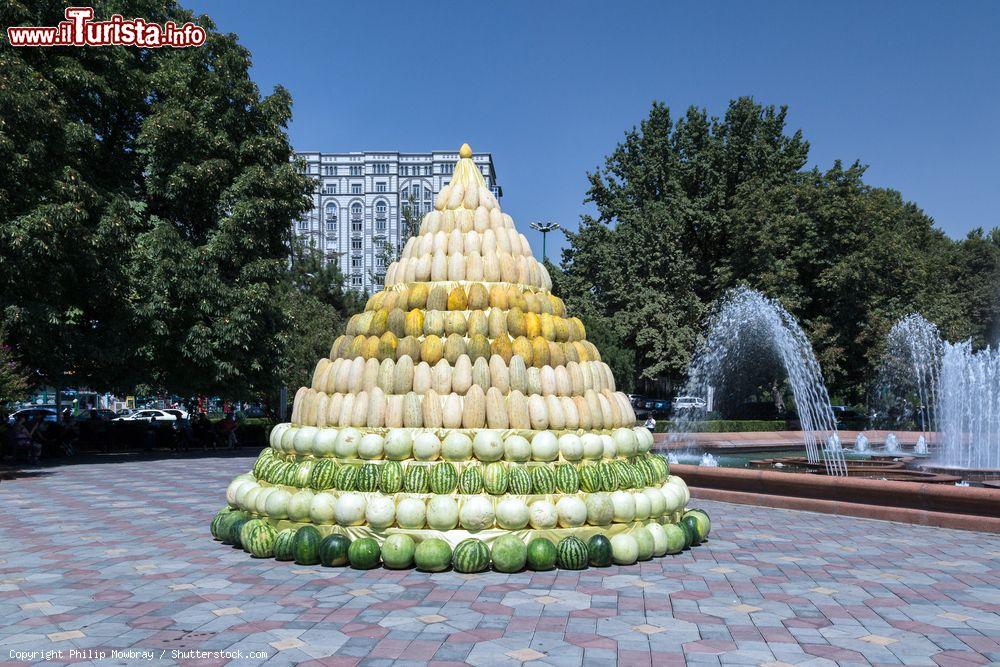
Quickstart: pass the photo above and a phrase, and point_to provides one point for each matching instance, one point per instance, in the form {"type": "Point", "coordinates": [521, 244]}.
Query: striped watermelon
{"type": "Point", "coordinates": [217, 521]}
{"type": "Point", "coordinates": [291, 474]}
{"type": "Point", "coordinates": [260, 465]}
{"type": "Point", "coordinates": [333, 550]}
{"type": "Point", "coordinates": [303, 472]}
{"type": "Point", "coordinates": [609, 477]}
{"type": "Point", "coordinates": [646, 472]}
{"type": "Point", "coordinates": [572, 553]}
{"type": "Point", "coordinates": [283, 544]}
{"type": "Point", "coordinates": [305, 545]}
{"type": "Point", "coordinates": [391, 479]}
{"type": "Point", "coordinates": [272, 472]}
{"type": "Point", "coordinates": [346, 478]}
{"type": "Point", "coordinates": [230, 525]}
{"type": "Point", "coordinates": [368, 477]}
{"type": "Point", "coordinates": [443, 478]}
{"type": "Point", "coordinates": [471, 480]}
{"type": "Point", "coordinates": [323, 474]}
{"type": "Point", "coordinates": [590, 479]}
{"type": "Point", "coordinates": [257, 537]}
{"type": "Point", "coordinates": [495, 478]}
{"type": "Point", "coordinates": [471, 555]}
{"type": "Point", "coordinates": [519, 480]}
{"type": "Point", "coordinates": [277, 474]}
{"type": "Point", "coordinates": [627, 478]}
{"type": "Point", "coordinates": [662, 468]}
{"type": "Point", "coordinates": [567, 478]}
{"type": "Point", "coordinates": [415, 480]}
{"type": "Point", "coordinates": [543, 480]}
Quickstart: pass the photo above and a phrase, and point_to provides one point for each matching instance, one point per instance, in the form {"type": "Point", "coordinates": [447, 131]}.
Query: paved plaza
{"type": "Point", "coordinates": [117, 555]}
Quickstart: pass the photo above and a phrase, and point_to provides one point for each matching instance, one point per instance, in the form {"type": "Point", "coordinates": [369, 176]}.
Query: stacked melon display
{"type": "Point", "coordinates": [462, 420]}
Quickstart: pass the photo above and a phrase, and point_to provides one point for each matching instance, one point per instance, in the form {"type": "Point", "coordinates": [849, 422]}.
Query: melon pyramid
{"type": "Point", "coordinates": [463, 418]}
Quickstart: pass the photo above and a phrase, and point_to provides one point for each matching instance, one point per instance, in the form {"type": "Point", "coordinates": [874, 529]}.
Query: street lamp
{"type": "Point", "coordinates": [544, 228]}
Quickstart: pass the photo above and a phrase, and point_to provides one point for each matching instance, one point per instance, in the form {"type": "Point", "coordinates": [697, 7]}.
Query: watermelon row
{"type": "Point", "coordinates": [306, 546]}
{"type": "Point", "coordinates": [497, 478]}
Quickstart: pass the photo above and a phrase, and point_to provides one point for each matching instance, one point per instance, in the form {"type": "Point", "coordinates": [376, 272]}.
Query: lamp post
{"type": "Point", "coordinates": [544, 228]}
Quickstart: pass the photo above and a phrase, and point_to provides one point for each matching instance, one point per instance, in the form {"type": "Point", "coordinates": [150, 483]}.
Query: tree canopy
{"type": "Point", "coordinates": [689, 208]}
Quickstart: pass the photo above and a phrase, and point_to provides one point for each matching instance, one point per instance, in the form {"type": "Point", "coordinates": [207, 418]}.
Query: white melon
{"type": "Point", "coordinates": [457, 446]}
{"type": "Point", "coordinates": [371, 446]}
{"type": "Point", "coordinates": [299, 505]}
{"type": "Point", "coordinates": [380, 511]}
{"type": "Point", "coordinates": [442, 513]}
{"type": "Point", "coordinates": [542, 515]}
{"type": "Point", "coordinates": [488, 446]}
{"type": "Point", "coordinates": [544, 446]}
{"type": "Point", "coordinates": [350, 509]}
{"type": "Point", "coordinates": [512, 513]}
{"type": "Point", "coordinates": [476, 513]}
{"type": "Point", "coordinates": [516, 448]}
{"type": "Point", "coordinates": [426, 447]}
{"type": "Point", "coordinates": [321, 509]}
{"type": "Point", "coordinates": [571, 446]}
{"type": "Point", "coordinates": [572, 512]}
{"type": "Point", "coordinates": [411, 513]}
{"type": "Point", "coordinates": [348, 439]}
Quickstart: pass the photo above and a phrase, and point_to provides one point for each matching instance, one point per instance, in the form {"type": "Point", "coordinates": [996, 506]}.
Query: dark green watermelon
{"type": "Point", "coordinates": [333, 550]}
{"type": "Point", "coordinates": [692, 525]}
{"type": "Point", "coordinates": [599, 548]}
{"type": "Point", "coordinates": [283, 544]}
{"type": "Point", "coordinates": [229, 526]}
{"type": "Point", "coordinates": [364, 554]}
{"type": "Point", "coordinates": [217, 522]}
{"type": "Point", "coordinates": [305, 546]}
{"type": "Point", "coordinates": [541, 554]}
{"type": "Point", "coordinates": [688, 535]}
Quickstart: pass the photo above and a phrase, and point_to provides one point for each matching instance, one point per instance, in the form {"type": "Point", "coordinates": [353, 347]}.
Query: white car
{"type": "Point", "coordinates": [147, 415]}
{"type": "Point", "coordinates": [689, 403]}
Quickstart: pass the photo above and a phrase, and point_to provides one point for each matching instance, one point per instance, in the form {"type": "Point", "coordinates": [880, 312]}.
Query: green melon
{"type": "Point", "coordinates": [609, 477]}
{"type": "Point", "coordinates": [391, 478]}
{"type": "Point", "coordinates": [283, 544]}
{"type": "Point", "coordinates": [257, 537]}
{"type": "Point", "coordinates": [398, 551]}
{"type": "Point", "coordinates": [471, 480]}
{"type": "Point", "coordinates": [333, 550]}
{"type": "Point", "coordinates": [471, 555]}
{"type": "Point", "coordinates": [368, 478]}
{"type": "Point", "coordinates": [323, 474]}
{"type": "Point", "coordinates": [433, 555]}
{"type": "Point", "coordinates": [590, 478]}
{"type": "Point", "coordinates": [572, 553]}
{"type": "Point", "coordinates": [303, 473]}
{"type": "Point", "coordinates": [443, 477]}
{"type": "Point", "coordinates": [688, 534]}
{"type": "Point", "coordinates": [518, 480]}
{"type": "Point", "coordinates": [274, 472]}
{"type": "Point", "coordinates": [567, 478]}
{"type": "Point", "coordinates": [543, 480]}
{"type": "Point", "coordinates": [542, 554]}
{"type": "Point", "coordinates": [644, 540]}
{"type": "Point", "coordinates": [217, 521]}
{"type": "Point", "coordinates": [599, 550]}
{"type": "Point", "coordinates": [260, 465]}
{"type": "Point", "coordinates": [305, 545]}
{"type": "Point", "coordinates": [704, 524]}
{"type": "Point", "coordinates": [415, 480]}
{"type": "Point", "coordinates": [364, 554]}
{"type": "Point", "coordinates": [509, 553]}
{"type": "Point", "coordinates": [229, 526]}
{"type": "Point", "coordinates": [691, 521]}
{"type": "Point", "coordinates": [495, 478]}
{"type": "Point", "coordinates": [346, 478]}
{"type": "Point", "coordinates": [676, 540]}
{"type": "Point", "coordinates": [291, 476]}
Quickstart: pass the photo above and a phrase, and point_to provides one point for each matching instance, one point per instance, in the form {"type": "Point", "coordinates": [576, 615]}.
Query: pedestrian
{"type": "Point", "coordinates": [22, 440]}
{"type": "Point", "coordinates": [650, 423]}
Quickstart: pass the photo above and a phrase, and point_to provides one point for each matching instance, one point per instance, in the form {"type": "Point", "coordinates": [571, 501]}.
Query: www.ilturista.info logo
{"type": "Point", "coordinates": [79, 29]}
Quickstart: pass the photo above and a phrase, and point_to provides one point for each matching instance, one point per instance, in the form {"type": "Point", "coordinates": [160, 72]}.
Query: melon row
{"type": "Point", "coordinates": [455, 241]}
{"type": "Point", "coordinates": [401, 377]}
{"type": "Point", "coordinates": [475, 409]}
{"type": "Point", "coordinates": [484, 445]}
{"type": "Point", "coordinates": [495, 267]}
{"type": "Point", "coordinates": [468, 322]}
{"type": "Point", "coordinates": [475, 296]}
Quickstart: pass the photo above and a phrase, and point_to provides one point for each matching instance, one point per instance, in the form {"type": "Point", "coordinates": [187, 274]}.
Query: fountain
{"type": "Point", "coordinates": [892, 444]}
{"type": "Point", "coordinates": [969, 407]}
{"type": "Point", "coordinates": [709, 461]}
{"type": "Point", "coordinates": [913, 357]}
{"type": "Point", "coordinates": [921, 446]}
{"type": "Point", "coordinates": [861, 443]}
{"type": "Point", "coordinates": [748, 328]}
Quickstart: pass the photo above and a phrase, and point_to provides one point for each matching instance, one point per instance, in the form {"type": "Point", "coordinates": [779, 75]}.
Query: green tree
{"type": "Point", "coordinates": [145, 201]}
{"type": "Point", "coordinates": [14, 382]}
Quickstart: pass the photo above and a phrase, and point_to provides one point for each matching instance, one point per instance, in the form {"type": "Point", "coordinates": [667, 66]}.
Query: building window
{"type": "Point", "coordinates": [380, 187]}
{"type": "Point", "coordinates": [380, 209]}
{"type": "Point", "coordinates": [329, 170]}
{"type": "Point", "coordinates": [355, 244]}
{"type": "Point", "coordinates": [356, 211]}
{"type": "Point", "coordinates": [380, 226]}
{"type": "Point", "coordinates": [329, 188]}
{"type": "Point", "coordinates": [356, 226]}
{"type": "Point", "coordinates": [356, 170]}
{"type": "Point", "coordinates": [380, 262]}
{"type": "Point", "coordinates": [355, 188]}
{"type": "Point", "coordinates": [331, 217]}
{"type": "Point", "coordinates": [356, 281]}
{"type": "Point", "coordinates": [356, 262]}
{"type": "Point", "coordinates": [303, 225]}
{"type": "Point", "coordinates": [381, 168]}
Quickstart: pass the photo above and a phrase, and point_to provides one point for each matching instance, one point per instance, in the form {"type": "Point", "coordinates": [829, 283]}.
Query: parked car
{"type": "Point", "coordinates": [848, 416]}
{"type": "Point", "coordinates": [179, 414]}
{"type": "Point", "coordinates": [34, 414]}
{"type": "Point", "coordinates": [686, 403]}
{"type": "Point", "coordinates": [125, 412]}
{"type": "Point", "coordinates": [148, 415]}
{"type": "Point", "coordinates": [99, 415]}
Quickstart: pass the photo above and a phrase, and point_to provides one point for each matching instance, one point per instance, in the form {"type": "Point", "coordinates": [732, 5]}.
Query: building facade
{"type": "Point", "coordinates": [359, 202]}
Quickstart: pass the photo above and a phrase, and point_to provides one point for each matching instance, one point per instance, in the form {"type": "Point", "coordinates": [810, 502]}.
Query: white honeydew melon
{"type": "Point", "coordinates": [457, 446]}
{"type": "Point", "coordinates": [346, 446]}
{"type": "Point", "coordinates": [287, 439]}
{"type": "Point", "coordinates": [410, 513]}
{"type": "Point", "coordinates": [682, 485]}
{"type": "Point", "coordinates": [398, 444]}
{"type": "Point", "coordinates": [624, 549]}
{"type": "Point", "coordinates": [233, 490]}
{"type": "Point", "coordinates": [426, 447]}
{"type": "Point", "coordinates": [371, 446]}
{"type": "Point", "coordinates": [625, 441]}
{"type": "Point", "coordinates": [571, 446]}
{"type": "Point", "coordinates": [644, 540]}
{"type": "Point", "coordinates": [610, 447]}
{"type": "Point", "coordinates": [258, 501]}
{"type": "Point", "coordinates": [624, 505]}
{"type": "Point", "coordinates": [275, 438]}
{"type": "Point", "coordinates": [544, 446]}
{"type": "Point", "coordinates": [476, 513]}
{"type": "Point", "coordinates": [659, 535]}
{"type": "Point", "coordinates": [516, 448]}
{"type": "Point", "coordinates": [644, 439]}
{"type": "Point", "coordinates": [325, 442]}
{"type": "Point", "coordinates": [321, 509]}
{"type": "Point", "coordinates": [488, 445]}
{"type": "Point", "coordinates": [304, 439]}
{"type": "Point", "coordinates": [572, 512]}
{"type": "Point", "coordinates": [542, 515]}
{"type": "Point", "coordinates": [276, 506]}
{"type": "Point", "coordinates": [657, 503]}
{"type": "Point", "coordinates": [298, 506]}
{"type": "Point", "coordinates": [350, 509]}
{"type": "Point", "coordinates": [442, 513]}
{"type": "Point", "coordinates": [673, 498]}
{"type": "Point", "coordinates": [380, 512]}
{"type": "Point", "coordinates": [642, 505]}
{"type": "Point", "coordinates": [600, 510]}
{"type": "Point", "coordinates": [244, 495]}
{"type": "Point", "coordinates": [512, 513]}
{"type": "Point", "coordinates": [593, 446]}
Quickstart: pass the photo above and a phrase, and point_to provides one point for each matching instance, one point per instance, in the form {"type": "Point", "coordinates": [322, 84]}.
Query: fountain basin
{"type": "Point", "coordinates": [968, 474]}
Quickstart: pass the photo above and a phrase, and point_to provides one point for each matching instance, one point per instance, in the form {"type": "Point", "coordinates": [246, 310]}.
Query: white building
{"type": "Point", "coordinates": [359, 200]}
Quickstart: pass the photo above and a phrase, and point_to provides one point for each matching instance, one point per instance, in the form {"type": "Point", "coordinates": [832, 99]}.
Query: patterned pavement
{"type": "Point", "coordinates": [105, 557]}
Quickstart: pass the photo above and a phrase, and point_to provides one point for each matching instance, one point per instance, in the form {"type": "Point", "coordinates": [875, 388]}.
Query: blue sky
{"type": "Point", "coordinates": [910, 88]}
